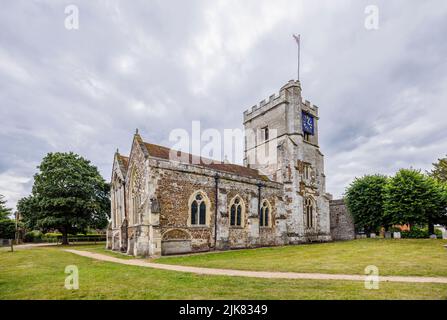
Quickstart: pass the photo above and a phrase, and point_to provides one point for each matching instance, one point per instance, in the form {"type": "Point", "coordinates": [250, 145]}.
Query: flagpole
{"type": "Point", "coordinates": [299, 49]}
{"type": "Point", "coordinates": [298, 42]}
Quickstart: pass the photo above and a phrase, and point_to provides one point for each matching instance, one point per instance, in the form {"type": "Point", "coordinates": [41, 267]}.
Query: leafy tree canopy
{"type": "Point", "coordinates": [412, 197]}
{"type": "Point", "coordinates": [364, 199]}
{"type": "Point", "coordinates": [4, 210]}
{"type": "Point", "coordinates": [68, 194]}
{"type": "Point", "coordinates": [439, 171]}
{"type": "Point", "coordinates": [7, 229]}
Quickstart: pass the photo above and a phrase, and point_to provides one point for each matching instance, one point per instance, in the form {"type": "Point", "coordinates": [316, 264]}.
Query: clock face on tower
{"type": "Point", "coordinates": [308, 123]}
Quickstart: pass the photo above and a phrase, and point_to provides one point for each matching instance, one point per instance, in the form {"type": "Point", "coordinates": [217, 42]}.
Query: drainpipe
{"type": "Point", "coordinates": [216, 199]}
{"type": "Point", "coordinates": [259, 206]}
{"type": "Point", "coordinates": [126, 244]}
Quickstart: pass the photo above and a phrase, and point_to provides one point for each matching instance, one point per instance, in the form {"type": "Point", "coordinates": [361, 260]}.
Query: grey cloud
{"type": "Point", "coordinates": [159, 65]}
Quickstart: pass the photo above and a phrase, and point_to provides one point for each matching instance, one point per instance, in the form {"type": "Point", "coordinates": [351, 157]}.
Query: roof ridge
{"type": "Point", "coordinates": [163, 152]}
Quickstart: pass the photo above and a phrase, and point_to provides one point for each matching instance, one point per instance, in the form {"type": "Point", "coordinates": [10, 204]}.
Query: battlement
{"type": "Point", "coordinates": [309, 105]}
{"type": "Point", "coordinates": [276, 99]}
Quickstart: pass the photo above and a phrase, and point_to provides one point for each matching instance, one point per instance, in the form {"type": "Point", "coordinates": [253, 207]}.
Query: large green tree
{"type": "Point", "coordinates": [364, 199]}
{"type": "Point", "coordinates": [414, 198]}
{"type": "Point", "coordinates": [439, 171]}
{"type": "Point", "coordinates": [7, 225]}
{"type": "Point", "coordinates": [7, 229]}
{"type": "Point", "coordinates": [4, 210]}
{"type": "Point", "coordinates": [68, 194]}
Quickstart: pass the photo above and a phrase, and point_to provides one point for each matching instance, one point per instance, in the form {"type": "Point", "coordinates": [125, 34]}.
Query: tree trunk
{"type": "Point", "coordinates": [64, 236]}
{"type": "Point", "coordinates": [431, 227]}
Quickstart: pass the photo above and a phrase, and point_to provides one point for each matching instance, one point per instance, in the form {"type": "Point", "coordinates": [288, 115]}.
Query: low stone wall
{"type": "Point", "coordinates": [342, 224]}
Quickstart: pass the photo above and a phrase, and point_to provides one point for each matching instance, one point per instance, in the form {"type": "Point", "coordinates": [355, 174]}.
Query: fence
{"type": "Point", "coordinates": [7, 243]}
{"type": "Point", "coordinates": [72, 239]}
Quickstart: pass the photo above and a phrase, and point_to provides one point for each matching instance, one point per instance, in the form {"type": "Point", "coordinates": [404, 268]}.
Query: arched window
{"type": "Point", "coordinates": [115, 207]}
{"type": "Point", "coordinates": [135, 197]}
{"type": "Point", "coordinates": [265, 214]}
{"type": "Point", "coordinates": [237, 211]}
{"type": "Point", "coordinates": [309, 209]}
{"type": "Point", "coordinates": [198, 209]}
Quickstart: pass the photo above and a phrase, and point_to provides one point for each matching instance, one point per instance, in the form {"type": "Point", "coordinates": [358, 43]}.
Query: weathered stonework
{"type": "Point", "coordinates": [342, 224]}
{"type": "Point", "coordinates": [153, 195]}
{"type": "Point", "coordinates": [283, 113]}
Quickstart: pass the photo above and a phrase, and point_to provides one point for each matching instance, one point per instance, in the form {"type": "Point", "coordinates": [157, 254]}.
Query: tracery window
{"type": "Point", "coordinates": [135, 197]}
{"type": "Point", "coordinates": [309, 209]}
{"type": "Point", "coordinates": [237, 212]}
{"type": "Point", "coordinates": [198, 212]}
{"type": "Point", "coordinates": [265, 214]}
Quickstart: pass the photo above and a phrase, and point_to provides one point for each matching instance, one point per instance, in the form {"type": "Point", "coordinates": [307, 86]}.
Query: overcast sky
{"type": "Point", "coordinates": [158, 65]}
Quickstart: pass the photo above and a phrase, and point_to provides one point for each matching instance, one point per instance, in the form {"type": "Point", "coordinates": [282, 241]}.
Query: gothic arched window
{"type": "Point", "coordinates": [265, 214]}
{"type": "Point", "coordinates": [309, 209]}
{"type": "Point", "coordinates": [198, 209]}
{"type": "Point", "coordinates": [133, 196]}
{"type": "Point", "coordinates": [237, 211]}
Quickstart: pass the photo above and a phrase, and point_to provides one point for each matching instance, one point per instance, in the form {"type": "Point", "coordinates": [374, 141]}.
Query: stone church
{"type": "Point", "coordinates": [162, 207]}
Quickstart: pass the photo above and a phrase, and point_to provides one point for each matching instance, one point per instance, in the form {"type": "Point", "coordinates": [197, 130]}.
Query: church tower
{"type": "Point", "coordinates": [282, 143]}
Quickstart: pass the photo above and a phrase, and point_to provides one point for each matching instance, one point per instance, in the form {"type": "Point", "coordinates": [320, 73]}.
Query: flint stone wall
{"type": "Point", "coordinates": [342, 224]}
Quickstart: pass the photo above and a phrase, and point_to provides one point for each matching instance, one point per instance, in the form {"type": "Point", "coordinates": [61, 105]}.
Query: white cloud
{"type": "Point", "coordinates": [13, 186]}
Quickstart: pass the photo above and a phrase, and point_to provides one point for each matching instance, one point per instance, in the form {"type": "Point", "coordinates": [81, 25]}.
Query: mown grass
{"type": "Point", "coordinates": [38, 273]}
{"type": "Point", "coordinates": [416, 257]}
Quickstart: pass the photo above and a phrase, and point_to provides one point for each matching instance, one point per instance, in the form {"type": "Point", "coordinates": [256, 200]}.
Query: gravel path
{"type": "Point", "coordinates": [253, 274]}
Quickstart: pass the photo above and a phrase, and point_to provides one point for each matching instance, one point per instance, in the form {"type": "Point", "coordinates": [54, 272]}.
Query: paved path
{"type": "Point", "coordinates": [252, 274]}
{"type": "Point", "coordinates": [29, 246]}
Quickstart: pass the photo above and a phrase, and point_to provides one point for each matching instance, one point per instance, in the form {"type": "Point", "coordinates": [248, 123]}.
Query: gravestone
{"type": "Point", "coordinates": [433, 236]}
{"type": "Point", "coordinates": [387, 235]}
{"type": "Point", "coordinates": [372, 235]}
{"type": "Point", "coordinates": [396, 235]}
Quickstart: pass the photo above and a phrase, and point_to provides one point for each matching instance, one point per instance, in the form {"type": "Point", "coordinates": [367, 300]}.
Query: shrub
{"type": "Point", "coordinates": [52, 235]}
{"type": "Point", "coordinates": [33, 236]}
{"type": "Point", "coordinates": [415, 233]}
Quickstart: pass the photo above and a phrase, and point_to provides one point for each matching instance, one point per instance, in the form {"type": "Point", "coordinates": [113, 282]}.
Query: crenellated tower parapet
{"type": "Point", "coordinates": [287, 94]}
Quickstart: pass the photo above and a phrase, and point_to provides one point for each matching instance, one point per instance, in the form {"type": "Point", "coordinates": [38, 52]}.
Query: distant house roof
{"type": "Point", "coordinates": [161, 152]}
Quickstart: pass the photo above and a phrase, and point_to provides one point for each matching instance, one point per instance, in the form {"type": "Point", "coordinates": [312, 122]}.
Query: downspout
{"type": "Point", "coordinates": [126, 240]}
{"type": "Point", "coordinates": [259, 207]}
{"type": "Point", "coordinates": [216, 199]}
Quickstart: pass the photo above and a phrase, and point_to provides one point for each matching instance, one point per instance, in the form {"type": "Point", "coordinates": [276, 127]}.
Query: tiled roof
{"type": "Point", "coordinates": [164, 152]}
{"type": "Point", "coordinates": [123, 162]}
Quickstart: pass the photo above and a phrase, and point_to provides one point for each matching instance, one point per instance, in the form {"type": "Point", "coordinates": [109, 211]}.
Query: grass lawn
{"type": "Point", "coordinates": [38, 273]}
{"type": "Point", "coordinates": [416, 257]}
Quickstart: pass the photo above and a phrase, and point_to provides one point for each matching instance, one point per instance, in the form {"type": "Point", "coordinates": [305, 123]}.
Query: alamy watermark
{"type": "Point", "coordinates": [372, 17]}
{"type": "Point", "coordinates": [72, 280]}
{"type": "Point", "coordinates": [372, 278]}
{"type": "Point", "coordinates": [256, 147]}
{"type": "Point", "coordinates": [71, 21]}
